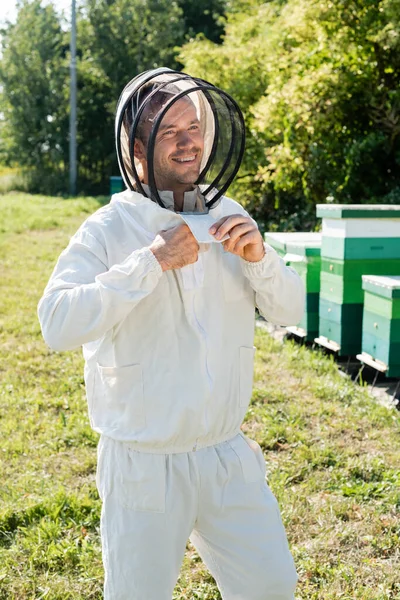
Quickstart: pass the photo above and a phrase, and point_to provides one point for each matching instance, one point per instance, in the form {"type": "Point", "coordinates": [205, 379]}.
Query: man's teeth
{"type": "Point", "coordinates": [188, 159]}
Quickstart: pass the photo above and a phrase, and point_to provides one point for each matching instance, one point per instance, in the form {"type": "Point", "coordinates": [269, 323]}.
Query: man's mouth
{"type": "Point", "coordinates": [186, 159]}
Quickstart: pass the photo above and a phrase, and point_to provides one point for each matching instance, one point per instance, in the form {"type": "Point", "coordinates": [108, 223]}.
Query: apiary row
{"type": "Point", "coordinates": [351, 271]}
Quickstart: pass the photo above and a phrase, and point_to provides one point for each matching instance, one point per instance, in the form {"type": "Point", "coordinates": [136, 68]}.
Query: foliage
{"type": "Point", "coordinates": [318, 81]}
{"type": "Point", "coordinates": [33, 73]}
{"type": "Point", "coordinates": [117, 39]}
{"type": "Point", "coordinates": [205, 17]}
{"type": "Point", "coordinates": [332, 451]}
{"type": "Point", "coordinates": [127, 37]}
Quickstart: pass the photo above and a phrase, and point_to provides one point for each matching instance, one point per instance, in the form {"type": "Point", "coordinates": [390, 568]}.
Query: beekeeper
{"type": "Point", "coordinates": [160, 288]}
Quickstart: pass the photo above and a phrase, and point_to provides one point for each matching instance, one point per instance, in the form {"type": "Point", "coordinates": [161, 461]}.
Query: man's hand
{"type": "Point", "coordinates": [244, 238]}
{"type": "Point", "coordinates": [175, 248]}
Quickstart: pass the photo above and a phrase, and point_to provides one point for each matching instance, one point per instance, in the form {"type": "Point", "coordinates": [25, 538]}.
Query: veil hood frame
{"type": "Point", "coordinates": [222, 127]}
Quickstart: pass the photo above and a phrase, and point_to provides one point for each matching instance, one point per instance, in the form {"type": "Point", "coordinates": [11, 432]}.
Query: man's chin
{"type": "Point", "coordinates": [174, 179]}
{"type": "Point", "coordinates": [189, 177]}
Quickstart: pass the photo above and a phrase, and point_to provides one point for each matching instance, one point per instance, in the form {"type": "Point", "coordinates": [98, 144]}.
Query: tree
{"type": "Point", "coordinates": [127, 37]}
{"type": "Point", "coordinates": [34, 78]}
{"type": "Point", "coordinates": [117, 39]}
{"type": "Point", "coordinates": [205, 17]}
{"type": "Point", "coordinates": [319, 85]}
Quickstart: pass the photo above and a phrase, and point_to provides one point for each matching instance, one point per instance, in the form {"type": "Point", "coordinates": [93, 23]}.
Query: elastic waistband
{"type": "Point", "coordinates": [194, 447]}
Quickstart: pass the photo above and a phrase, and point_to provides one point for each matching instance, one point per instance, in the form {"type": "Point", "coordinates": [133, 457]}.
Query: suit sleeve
{"type": "Point", "coordinates": [84, 298]}
{"type": "Point", "coordinates": [279, 290]}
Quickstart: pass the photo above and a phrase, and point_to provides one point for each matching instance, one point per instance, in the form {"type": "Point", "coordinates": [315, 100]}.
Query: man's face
{"type": "Point", "coordinates": [178, 149]}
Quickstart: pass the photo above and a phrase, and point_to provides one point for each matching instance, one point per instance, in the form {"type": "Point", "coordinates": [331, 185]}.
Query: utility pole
{"type": "Point", "coordinates": [72, 111]}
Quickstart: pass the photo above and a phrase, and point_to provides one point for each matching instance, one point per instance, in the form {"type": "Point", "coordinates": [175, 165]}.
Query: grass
{"type": "Point", "coordinates": [332, 451]}
{"type": "Point", "coordinates": [10, 179]}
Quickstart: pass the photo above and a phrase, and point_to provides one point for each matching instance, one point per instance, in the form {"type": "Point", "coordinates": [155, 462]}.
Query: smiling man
{"type": "Point", "coordinates": [178, 150]}
{"type": "Point", "coordinates": [167, 334]}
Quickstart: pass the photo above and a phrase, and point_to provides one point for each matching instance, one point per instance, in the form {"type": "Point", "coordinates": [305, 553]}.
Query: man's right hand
{"type": "Point", "coordinates": [175, 248]}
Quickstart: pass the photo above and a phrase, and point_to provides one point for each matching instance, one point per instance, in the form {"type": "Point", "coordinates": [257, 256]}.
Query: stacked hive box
{"type": "Point", "coordinates": [116, 185]}
{"type": "Point", "coordinates": [356, 240]}
{"type": "Point", "coordinates": [279, 239]}
{"type": "Point", "coordinates": [381, 324]}
{"type": "Point", "coordinates": [305, 258]}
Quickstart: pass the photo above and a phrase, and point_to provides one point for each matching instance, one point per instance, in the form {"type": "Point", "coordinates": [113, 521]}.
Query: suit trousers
{"type": "Point", "coordinates": [217, 496]}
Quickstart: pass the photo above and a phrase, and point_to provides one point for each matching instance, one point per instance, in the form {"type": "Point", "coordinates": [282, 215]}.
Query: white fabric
{"type": "Point", "coordinates": [168, 370]}
{"type": "Point", "coordinates": [168, 366]}
{"type": "Point", "coordinates": [199, 225]}
{"type": "Point", "coordinates": [218, 496]}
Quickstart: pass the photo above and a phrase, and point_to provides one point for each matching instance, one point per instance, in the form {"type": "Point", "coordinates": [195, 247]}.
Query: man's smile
{"type": "Point", "coordinates": [186, 159]}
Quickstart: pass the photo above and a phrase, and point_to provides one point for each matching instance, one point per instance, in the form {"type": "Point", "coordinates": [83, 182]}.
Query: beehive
{"type": "Point", "coordinates": [279, 239]}
{"type": "Point", "coordinates": [381, 323]}
{"type": "Point", "coordinates": [305, 258]}
{"type": "Point", "coordinates": [357, 240]}
{"type": "Point", "coordinates": [116, 185]}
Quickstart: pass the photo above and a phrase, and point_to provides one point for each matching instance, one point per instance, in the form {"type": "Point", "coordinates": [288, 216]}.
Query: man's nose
{"type": "Point", "coordinates": [184, 139]}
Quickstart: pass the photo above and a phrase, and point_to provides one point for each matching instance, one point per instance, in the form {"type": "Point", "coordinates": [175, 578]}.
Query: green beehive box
{"type": "Point", "coordinates": [381, 327]}
{"type": "Point", "coordinates": [342, 314]}
{"type": "Point", "coordinates": [356, 240]}
{"type": "Point", "coordinates": [360, 231]}
{"type": "Point", "coordinates": [358, 211]}
{"type": "Point", "coordinates": [304, 257]}
{"type": "Point", "coordinates": [361, 248]}
{"type": "Point", "coordinates": [341, 280]}
{"type": "Point", "coordinates": [348, 340]}
{"type": "Point", "coordinates": [354, 269]}
{"type": "Point", "coordinates": [279, 239]}
{"type": "Point", "coordinates": [338, 289]}
{"type": "Point", "coordinates": [116, 185]}
{"type": "Point", "coordinates": [381, 322]}
{"type": "Point", "coordinates": [341, 324]}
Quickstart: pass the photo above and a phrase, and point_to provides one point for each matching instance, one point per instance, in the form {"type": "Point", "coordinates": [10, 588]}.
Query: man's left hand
{"type": "Point", "coordinates": [245, 240]}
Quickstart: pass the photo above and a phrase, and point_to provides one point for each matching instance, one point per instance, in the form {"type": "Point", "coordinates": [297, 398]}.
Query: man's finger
{"type": "Point", "coordinates": [228, 224]}
{"type": "Point", "coordinates": [214, 227]}
{"type": "Point", "coordinates": [237, 232]}
{"type": "Point", "coordinates": [244, 240]}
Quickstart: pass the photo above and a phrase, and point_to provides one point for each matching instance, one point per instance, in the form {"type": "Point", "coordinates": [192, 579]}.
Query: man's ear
{"type": "Point", "coordinates": [139, 150]}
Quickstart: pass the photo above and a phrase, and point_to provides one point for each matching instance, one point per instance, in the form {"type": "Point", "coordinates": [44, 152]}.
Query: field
{"type": "Point", "coordinates": [333, 453]}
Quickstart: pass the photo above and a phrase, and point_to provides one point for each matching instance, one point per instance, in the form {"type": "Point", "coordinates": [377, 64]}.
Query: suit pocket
{"type": "Point", "coordinates": [142, 481]}
{"type": "Point", "coordinates": [137, 480]}
{"type": "Point", "coordinates": [251, 458]}
{"type": "Point", "coordinates": [119, 400]}
{"type": "Point", "coordinates": [246, 369]}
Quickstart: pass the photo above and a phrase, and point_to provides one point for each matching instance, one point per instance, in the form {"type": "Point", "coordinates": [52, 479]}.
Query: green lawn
{"type": "Point", "coordinates": [333, 454]}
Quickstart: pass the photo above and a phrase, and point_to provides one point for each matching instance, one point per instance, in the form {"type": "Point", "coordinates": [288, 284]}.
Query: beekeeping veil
{"type": "Point", "coordinates": [148, 98]}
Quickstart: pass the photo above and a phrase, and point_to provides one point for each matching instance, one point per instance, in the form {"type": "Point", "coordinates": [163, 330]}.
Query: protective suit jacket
{"type": "Point", "coordinates": [168, 355]}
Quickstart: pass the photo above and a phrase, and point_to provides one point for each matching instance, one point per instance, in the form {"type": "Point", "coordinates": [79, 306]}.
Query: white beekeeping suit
{"type": "Point", "coordinates": [169, 364]}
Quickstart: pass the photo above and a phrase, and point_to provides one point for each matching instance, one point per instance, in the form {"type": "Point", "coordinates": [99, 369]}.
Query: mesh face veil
{"type": "Point", "coordinates": [186, 131]}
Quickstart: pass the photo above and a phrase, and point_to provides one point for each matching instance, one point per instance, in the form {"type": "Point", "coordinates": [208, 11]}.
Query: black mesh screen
{"type": "Point", "coordinates": [189, 132]}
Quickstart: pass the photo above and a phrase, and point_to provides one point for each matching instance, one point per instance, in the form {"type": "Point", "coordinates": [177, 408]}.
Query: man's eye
{"type": "Point", "coordinates": [195, 127]}
{"type": "Point", "coordinates": [169, 132]}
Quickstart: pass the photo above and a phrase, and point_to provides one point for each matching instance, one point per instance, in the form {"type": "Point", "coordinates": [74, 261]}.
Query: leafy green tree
{"type": "Point", "coordinates": [319, 85]}
{"type": "Point", "coordinates": [117, 39]}
{"type": "Point", "coordinates": [127, 37]}
{"type": "Point", "coordinates": [95, 127]}
{"type": "Point", "coordinates": [34, 80]}
{"type": "Point", "coordinates": [205, 17]}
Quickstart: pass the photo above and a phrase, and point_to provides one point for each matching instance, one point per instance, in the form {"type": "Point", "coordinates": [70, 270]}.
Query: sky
{"type": "Point", "coordinates": [8, 8]}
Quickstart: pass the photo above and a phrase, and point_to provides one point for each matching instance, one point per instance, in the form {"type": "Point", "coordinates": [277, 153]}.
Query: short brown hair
{"type": "Point", "coordinates": [157, 101]}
